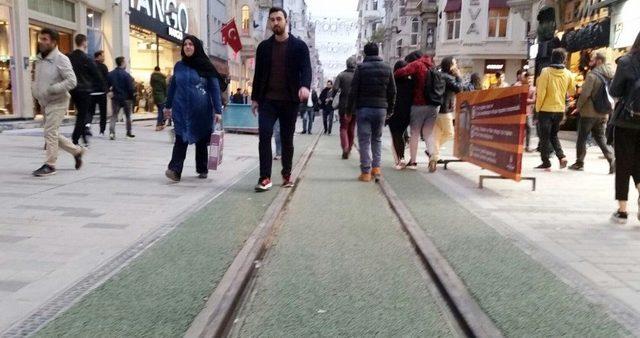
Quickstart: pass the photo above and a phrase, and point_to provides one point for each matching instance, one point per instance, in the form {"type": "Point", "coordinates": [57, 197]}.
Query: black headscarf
{"type": "Point", "coordinates": [199, 60]}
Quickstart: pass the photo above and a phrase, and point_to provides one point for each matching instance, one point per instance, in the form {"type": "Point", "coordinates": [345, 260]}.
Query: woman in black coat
{"type": "Point", "coordinates": [626, 128]}
{"type": "Point", "coordinates": [399, 120]}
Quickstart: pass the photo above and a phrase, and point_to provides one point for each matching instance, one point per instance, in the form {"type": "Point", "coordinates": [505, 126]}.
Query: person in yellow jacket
{"type": "Point", "coordinates": [554, 83]}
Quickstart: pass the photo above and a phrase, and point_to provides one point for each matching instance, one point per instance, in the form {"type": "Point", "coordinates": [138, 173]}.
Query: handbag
{"type": "Point", "coordinates": [336, 100]}
{"type": "Point", "coordinates": [216, 146]}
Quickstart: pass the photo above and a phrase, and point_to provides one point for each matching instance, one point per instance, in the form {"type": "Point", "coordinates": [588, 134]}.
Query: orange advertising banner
{"type": "Point", "coordinates": [489, 129]}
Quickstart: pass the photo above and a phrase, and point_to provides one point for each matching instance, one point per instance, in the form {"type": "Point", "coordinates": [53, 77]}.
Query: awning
{"type": "Point", "coordinates": [453, 6]}
{"type": "Point", "coordinates": [495, 4]}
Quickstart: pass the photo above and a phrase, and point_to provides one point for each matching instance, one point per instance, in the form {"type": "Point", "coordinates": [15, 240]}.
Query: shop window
{"type": "Point", "coordinates": [6, 91]}
{"type": "Point", "coordinates": [453, 25]}
{"type": "Point", "coordinates": [246, 19]}
{"type": "Point", "coordinates": [63, 9]}
{"type": "Point", "coordinates": [415, 31]}
{"type": "Point", "coordinates": [94, 31]}
{"type": "Point", "coordinates": [498, 19]}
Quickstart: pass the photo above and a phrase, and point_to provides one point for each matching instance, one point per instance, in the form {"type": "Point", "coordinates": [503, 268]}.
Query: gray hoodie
{"type": "Point", "coordinates": [343, 84]}
{"type": "Point", "coordinates": [590, 87]}
{"type": "Point", "coordinates": [54, 78]}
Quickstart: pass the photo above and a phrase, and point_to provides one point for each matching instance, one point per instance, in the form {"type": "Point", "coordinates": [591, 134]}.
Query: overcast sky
{"type": "Point", "coordinates": [343, 41]}
{"type": "Point", "coordinates": [334, 8]}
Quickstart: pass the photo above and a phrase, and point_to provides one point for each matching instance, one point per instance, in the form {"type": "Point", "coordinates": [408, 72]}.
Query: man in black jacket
{"type": "Point", "coordinates": [326, 104]}
{"type": "Point", "coordinates": [87, 75]}
{"type": "Point", "coordinates": [308, 114]}
{"type": "Point", "coordinates": [281, 81]}
{"type": "Point", "coordinates": [99, 96]}
{"type": "Point", "coordinates": [373, 94]}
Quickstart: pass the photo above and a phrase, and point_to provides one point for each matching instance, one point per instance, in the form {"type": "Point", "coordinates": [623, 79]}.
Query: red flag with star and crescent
{"type": "Point", "coordinates": [230, 35]}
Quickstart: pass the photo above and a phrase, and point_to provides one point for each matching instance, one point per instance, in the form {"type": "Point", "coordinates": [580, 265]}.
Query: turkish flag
{"type": "Point", "coordinates": [230, 35]}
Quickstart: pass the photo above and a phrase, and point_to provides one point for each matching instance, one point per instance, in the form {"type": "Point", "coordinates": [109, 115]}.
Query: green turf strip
{"type": "Point", "coordinates": [340, 265]}
{"type": "Point", "coordinates": [160, 293]}
{"type": "Point", "coordinates": [522, 297]}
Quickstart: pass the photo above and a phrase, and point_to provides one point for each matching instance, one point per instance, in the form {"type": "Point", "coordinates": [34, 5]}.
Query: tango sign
{"type": "Point", "coordinates": [168, 12]}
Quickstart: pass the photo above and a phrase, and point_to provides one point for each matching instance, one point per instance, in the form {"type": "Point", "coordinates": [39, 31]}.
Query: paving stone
{"type": "Point", "coordinates": [12, 239]}
{"type": "Point", "coordinates": [105, 226]}
{"type": "Point", "coordinates": [12, 285]}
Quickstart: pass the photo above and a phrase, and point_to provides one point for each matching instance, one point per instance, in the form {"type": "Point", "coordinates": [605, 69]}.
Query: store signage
{"type": "Point", "coordinates": [166, 17]}
{"type": "Point", "coordinates": [586, 9]}
{"type": "Point", "coordinates": [490, 129]}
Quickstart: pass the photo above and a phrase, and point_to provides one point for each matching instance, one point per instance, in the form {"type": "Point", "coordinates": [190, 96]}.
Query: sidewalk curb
{"type": "Point", "coordinates": [217, 312]}
{"type": "Point", "coordinates": [469, 314]}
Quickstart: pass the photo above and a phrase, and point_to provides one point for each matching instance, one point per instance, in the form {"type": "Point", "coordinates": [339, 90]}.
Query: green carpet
{"type": "Point", "coordinates": [340, 265]}
{"type": "Point", "coordinates": [160, 292]}
{"type": "Point", "coordinates": [522, 297]}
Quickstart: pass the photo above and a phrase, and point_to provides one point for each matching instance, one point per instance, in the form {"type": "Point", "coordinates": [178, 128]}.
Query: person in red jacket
{"type": "Point", "coordinates": [423, 115]}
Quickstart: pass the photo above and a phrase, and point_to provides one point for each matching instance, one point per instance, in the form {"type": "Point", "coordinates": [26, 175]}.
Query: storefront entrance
{"type": "Point", "coordinates": [147, 51]}
{"type": "Point", "coordinates": [6, 64]}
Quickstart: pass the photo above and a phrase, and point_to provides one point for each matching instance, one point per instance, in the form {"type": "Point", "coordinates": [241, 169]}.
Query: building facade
{"type": "Point", "coordinates": [485, 36]}
{"type": "Point", "coordinates": [371, 18]}
{"type": "Point", "coordinates": [409, 26]}
{"type": "Point", "coordinates": [146, 32]}
{"type": "Point", "coordinates": [579, 26]}
{"type": "Point", "coordinates": [216, 17]}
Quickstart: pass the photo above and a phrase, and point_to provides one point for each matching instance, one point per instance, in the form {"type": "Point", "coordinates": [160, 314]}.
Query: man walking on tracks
{"type": "Point", "coordinates": [373, 95]}
{"type": "Point", "coordinates": [281, 81]}
{"type": "Point", "coordinates": [53, 80]}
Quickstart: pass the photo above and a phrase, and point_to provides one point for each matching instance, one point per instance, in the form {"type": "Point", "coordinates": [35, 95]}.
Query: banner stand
{"type": "Point", "coordinates": [446, 162]}
{"type": "Point", "coordinates": [496, 177]}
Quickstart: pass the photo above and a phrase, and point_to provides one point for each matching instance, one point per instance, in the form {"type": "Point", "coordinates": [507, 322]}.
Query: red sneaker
{"type": "Point", "coordinates": [264, 184]}
{"type": "Point", "coordinates": [287, 182]}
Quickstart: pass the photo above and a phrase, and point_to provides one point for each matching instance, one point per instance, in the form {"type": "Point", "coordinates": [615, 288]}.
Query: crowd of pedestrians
{"type": "Point", "coordinates": [416, 99]}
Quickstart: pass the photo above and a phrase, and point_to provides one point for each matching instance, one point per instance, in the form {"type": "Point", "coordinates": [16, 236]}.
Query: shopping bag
{"type": "Point", "coordinates": [336, 100]}
{"type": "Point", "coordinates": [215, 149]}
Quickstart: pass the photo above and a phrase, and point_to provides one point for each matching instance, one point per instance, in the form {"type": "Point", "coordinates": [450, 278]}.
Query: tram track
{"type": "Point", "coordinates": [457, 305]}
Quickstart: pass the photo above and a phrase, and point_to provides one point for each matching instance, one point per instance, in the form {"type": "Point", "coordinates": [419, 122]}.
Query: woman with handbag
{"type": "Point", "coordinates": [626, 128]}
{"type": "Point", "coordinates": [194, 103]}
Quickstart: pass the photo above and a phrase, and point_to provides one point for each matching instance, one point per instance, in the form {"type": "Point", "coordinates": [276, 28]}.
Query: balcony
{"type": "Point", "coordinates": [413, 7]}
{"type": "Point", "coordinates": [429, 7]}
{"type": "Point", "coordinates": [372, 15]}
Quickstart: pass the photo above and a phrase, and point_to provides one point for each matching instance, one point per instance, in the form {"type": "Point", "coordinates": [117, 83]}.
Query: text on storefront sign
{"type": "Point", "coordinates": [170, 12]}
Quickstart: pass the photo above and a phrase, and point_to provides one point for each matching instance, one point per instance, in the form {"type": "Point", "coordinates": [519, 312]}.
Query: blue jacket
{"type": "Point", "coordinates": [121, 84]}
{"type": "Point", "coordinates": [193, 100]}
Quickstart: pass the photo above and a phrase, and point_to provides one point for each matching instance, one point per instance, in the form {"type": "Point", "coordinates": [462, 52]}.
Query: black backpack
{"type": "Point", "coordinates": [434, 87]}
{"type": "Point", "coordinates": [602, 100]}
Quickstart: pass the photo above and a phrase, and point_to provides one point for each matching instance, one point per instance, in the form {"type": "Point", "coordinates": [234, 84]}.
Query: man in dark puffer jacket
{"type": "Point", "coordinates": [373, 94]}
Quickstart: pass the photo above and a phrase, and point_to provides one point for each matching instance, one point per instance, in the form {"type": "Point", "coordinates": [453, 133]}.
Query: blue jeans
{"type": "Point", "coordinates": [308, 115]}
{"type": "Point", "coordinates": [370, 123]}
